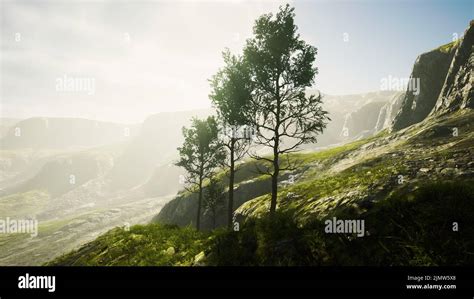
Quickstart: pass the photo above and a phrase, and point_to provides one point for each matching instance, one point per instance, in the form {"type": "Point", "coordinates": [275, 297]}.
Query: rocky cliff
{"type": "Point", "coordinates": [388, 112]}
{"type": "Point", "coordinates": [446, 82]}
{"type": "Point", "coordinates": [361, 123]}
{"type": "Point", "coordinates": [458, 91]}
{"type": "Point", "coordinates": [429, 73]}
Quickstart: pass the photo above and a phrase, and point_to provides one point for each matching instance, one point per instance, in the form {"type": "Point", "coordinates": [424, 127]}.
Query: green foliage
{"type": "Point", "coordinates": [231, 90]}
{"type": "Point", "coordinates": [317, 193]}
{"type": "Point", "coordinates": [277, 49]}
{"type": "Point", "coordinates": [281, 65]}
{"type": "Point", "coordinates": [268, 241]}
{"type": "Point", "coordinates": [405, 229]}
{"type": "Point", "coordinates": [201, 153]}
{"type": "Point", "coordinates": [449, 46]}
{"type": "Point", "coordinates": [417, 228]}
{"type": "Point", "coordinates": [143, 245]}
{"type": "Point", "coordinates": [337, 151]}
{"type": "Point", "coordinates": [214, 199]}
{"type": "Point", "coordinates": [256, 184]}
{"type": "Point", "coordinates": [231, 93]}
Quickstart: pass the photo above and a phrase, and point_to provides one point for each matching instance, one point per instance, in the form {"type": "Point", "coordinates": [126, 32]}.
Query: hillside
{"type": "Point", "coordinates": [160, 245]}
{"type": "Point", "coordinates": [77, 188]}
{"type": "Point", "coordinates": [346, 110]}
{"type": "Point", "coordinates": [363, 173]}
{"type": "Point", "coordinates": [457, 91]}
{"type": "Point", "coordinates": [154, 146]}
{"type": "Point", "coordinates": [445, 79]}
{"type": "Point", "coordinates": [358, 173]}
{"type": "Point", "coordinates": [360, 180]}
{"type": "Point", "coordinates": [64, 133]}
{"type": "Point", "coordinates": [411, 183]}
{"type": "Point", "coordinates": [6, 124]}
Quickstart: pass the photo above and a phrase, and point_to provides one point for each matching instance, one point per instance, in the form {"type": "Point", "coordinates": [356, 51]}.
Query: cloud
{"type": "Point", "coordinates": [145, 57]}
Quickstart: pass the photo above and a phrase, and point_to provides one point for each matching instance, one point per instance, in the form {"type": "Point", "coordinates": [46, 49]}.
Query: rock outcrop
{"type": "Point", "coordinates": [388, 112]}
{"type": "Point", "coordinates": [458, 91]}
{"type": "Point", "coordinates": [430, 71]}
{"type": "Point", "coordinates": [362, 122]}
{"type": "Point", "coordinates": [446, 82]}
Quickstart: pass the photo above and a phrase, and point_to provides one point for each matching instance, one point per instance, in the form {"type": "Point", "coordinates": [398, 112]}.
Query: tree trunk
{"type": "Point", "coordinates": [276, 171]}
{"type": "Point", "coordinates": [230, 208]}
{"type": "Point", "coordinates": [198, 220]}
{"type": "Point", "coordinates": [276, 164]}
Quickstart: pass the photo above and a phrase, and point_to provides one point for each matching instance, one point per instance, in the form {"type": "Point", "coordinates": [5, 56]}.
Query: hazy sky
{"type": "Point", "coordinates": [124, 60]}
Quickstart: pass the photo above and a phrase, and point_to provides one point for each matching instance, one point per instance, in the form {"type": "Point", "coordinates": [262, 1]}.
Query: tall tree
{"type": "Point", "coordinates": [281, 66]}
{"type": "Point", "coordinates": [230, 94]}
{"type": "Point", "coordinates": [214, 199]}
{"type": "Point", "coordinates": [200, 155]}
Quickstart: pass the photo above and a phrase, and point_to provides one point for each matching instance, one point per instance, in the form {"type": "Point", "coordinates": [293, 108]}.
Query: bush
{"type": "Point", "coordinates": [404, 229]}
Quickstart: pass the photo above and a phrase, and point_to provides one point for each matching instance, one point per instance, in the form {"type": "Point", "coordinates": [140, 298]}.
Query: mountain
{"type": "Point", "coordinates": [63, 133]}
{"type": "Point", "coordinates": [71, 197]}
{"type": "Point", "coordinates": [409, 187]}
{"type": "Point", "coordinates": [445, 76]}
{"type": "Point", "coordinates": [342, 108]}
{"type": "Point", "coordinates": [60, 175]}
{"type": "Point", "coordinates": [458, 91]}
{"type": "Point", "coordinates": [388, 112]}
{"type": "Point", "coordinates": [155, 145]}
{"type": "Point", "coordinates": [68, 181]}
{"type": "Point", "coordinates": [361, 119]}
{"type": "Point", "coordinates": [411, 184]}
{"type": "Point", "coordinates": [80, 187]}
{"type": "Point", "coordinates": [430, 71]}
{"type": "Point", "coordinates": [402, 169]}
{"type": "Point", "coordinates": [6, 124]}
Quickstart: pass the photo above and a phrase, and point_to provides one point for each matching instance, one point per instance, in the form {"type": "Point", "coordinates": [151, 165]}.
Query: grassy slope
{"type": "Point", "coordinates": [249, 183]}
{"type": "Point", "coordinates": [143, 245]}
{"type": "Point", "coordinates": [360, 174]}
{"type": "Point", "coordinates": [408, 223]}
{"type": "Point", "coordinates": [447, 47]}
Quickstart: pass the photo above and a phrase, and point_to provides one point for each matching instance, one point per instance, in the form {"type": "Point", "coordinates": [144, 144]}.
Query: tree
{"type": "Point", "coordinates": [230, 94]}
{"type": "Point", "coordinates": [214, 199]}
{"type": "Point", "coordinates": [200, 155]}
{"type": "Point", "coordinates": [281, 66]}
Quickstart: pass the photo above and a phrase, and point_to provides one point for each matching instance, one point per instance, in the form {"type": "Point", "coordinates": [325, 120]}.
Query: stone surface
{"type": "Point", "coordinates": [458, 91]}
{"type": "Point", "coordinates": [431, 69]}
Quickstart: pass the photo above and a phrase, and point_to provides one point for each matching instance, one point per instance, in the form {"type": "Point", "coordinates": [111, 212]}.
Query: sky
{"type": "Point", "coordinates": [125, 60]}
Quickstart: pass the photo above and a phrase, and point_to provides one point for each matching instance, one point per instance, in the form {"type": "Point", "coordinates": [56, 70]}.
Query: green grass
{"type": "Point", "coordinates": [248, 170]}
{"type": "Point", "coordinates": [142, 245]}
{"type": "Point", "coordinates": [448, 47]}
{"type": "Point", "coordinates": [21, 205]}
{"type": "Point", "coordinates": [312, 182]}
{"type": "Point", "coordinates": [405, 229]}
{"type": "Point", "coordinates": [307, 197]}
{"type": "Point", "coordinates": [329, 153]}
{"type": "Point", "coordinates": [407, 224]}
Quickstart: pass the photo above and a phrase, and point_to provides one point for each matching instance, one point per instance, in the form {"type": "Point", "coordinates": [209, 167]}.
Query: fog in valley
{"type": "Point", "coordinates": [94, 99]}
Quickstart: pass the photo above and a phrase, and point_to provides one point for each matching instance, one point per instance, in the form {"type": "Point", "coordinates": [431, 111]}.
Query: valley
{"type": "Point", "coordinates": [111, 194]}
